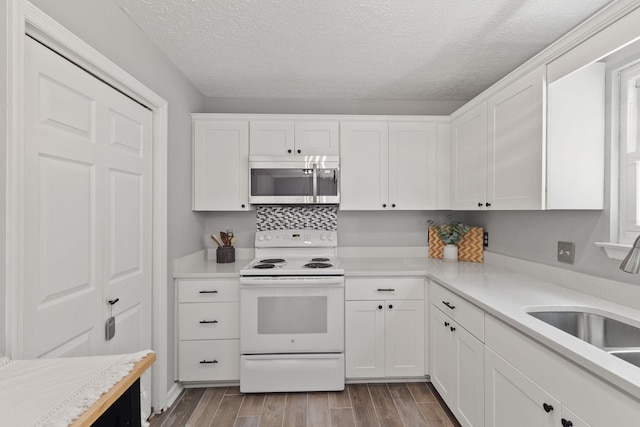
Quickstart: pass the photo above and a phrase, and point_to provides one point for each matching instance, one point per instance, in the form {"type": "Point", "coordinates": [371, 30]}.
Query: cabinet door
{"type": "Point", "coordinates": [220, 165]}
{"type": "Point", "coordinates": [317, 138]}
{"type": "Point", "coordinates": [570, 419]}
{"type": "Point", "coordinates": [441, 355]}
{"type": "Point", "coordinates": [469, 159]}
{"type": "Point", "coordinates": [512, 399]}
{"type": "Point", "coordinates": [364, 339]}
{"type": "Point", "coordinates": [469, 374]}
{"type": "Point", "coordinates": [515, 150]}
{"type": "Point", "coordinates": [271, 138]}
{"type": "Point", "coordinates": [364, 148]}
{"type": "Point", "coordinates": [404, 338]}
{"type": "Point", "coordinates": [412, 166]}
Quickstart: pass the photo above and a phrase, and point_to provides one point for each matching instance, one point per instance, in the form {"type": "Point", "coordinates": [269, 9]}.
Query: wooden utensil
{"type": "Point", "coordinates": [215, 239]}
{"type": "Point", "coordinates": [225, 238]}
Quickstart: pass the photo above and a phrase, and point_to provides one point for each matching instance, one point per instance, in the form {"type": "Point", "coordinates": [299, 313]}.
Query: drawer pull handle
{"type": "Point", "coordinates": [566, 423]}
{"type": "Point", "coordinates": [386, 290]}
{"type": "Point", "coordinates": [208, 292]}
{"type": "Point", "coordinates": [208, 321]}
{"type": "Point", "coordinates": [208, 361]}
{"type": "Point", "coordinates": [547, 408]}
{"type": "Point", "coordinates": [448, 304]}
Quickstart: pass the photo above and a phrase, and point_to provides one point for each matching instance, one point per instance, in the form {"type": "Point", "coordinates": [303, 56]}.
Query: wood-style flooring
{"type": "Point", "coordinates": [366, 405]}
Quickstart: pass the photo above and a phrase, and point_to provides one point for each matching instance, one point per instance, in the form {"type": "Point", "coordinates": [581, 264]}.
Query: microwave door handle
{"type": "Point", "coordinates": [315, 183]}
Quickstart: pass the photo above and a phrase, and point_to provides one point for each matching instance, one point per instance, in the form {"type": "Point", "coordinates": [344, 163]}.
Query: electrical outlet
{"type": "Point", "coordinates": [485, 239]}
{"type": "Point", "coordinates": [566, 252]}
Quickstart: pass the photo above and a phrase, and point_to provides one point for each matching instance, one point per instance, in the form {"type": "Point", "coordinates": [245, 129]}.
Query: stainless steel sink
{"type": "Point", "coordinates": [613, 336]}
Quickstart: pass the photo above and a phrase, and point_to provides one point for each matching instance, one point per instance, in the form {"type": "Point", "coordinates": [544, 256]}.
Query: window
{"type": "Point", "coordinates": [629, 192]}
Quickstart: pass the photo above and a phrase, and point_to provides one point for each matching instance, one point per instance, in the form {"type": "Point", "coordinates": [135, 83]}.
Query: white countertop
{"type": "Point", "coordinates": [499, 292]}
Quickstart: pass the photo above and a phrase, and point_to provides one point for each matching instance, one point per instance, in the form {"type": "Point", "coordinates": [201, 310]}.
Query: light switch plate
{"type": "Point", "coordinates": [566, 252]}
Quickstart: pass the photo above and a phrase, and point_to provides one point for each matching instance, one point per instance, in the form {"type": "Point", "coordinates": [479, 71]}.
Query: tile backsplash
{"type": "Point", "coordinates": [311, 217]}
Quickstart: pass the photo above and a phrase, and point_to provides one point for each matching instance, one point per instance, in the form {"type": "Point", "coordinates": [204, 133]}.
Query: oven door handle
{"type": "Point", "coordinates": [283, 282]}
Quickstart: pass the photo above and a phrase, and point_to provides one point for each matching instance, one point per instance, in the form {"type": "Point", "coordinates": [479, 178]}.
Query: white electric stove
{"type": "Point", "coordinates": [292, 314]}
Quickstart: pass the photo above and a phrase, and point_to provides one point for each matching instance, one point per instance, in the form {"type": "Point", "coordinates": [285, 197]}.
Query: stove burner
{"type": "Point", "coordinates": [263, 266]}
{"type": "Point", "coordinates": [319, 259]}
{"type": "Point", "coordinates": [317, 265]}
{"type": "Point", "coordinates": [272, 260]}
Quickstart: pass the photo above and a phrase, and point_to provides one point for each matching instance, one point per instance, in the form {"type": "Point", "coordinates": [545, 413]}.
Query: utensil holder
{"type": "Point", "coordinates": [225, 254]}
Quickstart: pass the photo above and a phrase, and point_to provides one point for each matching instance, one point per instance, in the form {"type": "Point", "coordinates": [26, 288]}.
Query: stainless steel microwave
{"type": "Point", "coordinates": [292, 180]}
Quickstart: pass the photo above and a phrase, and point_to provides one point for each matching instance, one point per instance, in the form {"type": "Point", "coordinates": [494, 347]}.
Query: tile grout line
{"type": "Point", "coordinates": [373, 403]}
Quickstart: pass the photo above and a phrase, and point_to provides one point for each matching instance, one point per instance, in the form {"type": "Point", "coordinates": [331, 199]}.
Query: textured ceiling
{"type": "Point", "coordinates": [353, 49]}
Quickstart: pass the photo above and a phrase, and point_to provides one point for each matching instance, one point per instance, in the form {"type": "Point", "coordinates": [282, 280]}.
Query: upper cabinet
{"type": "Point", "coordinates": [393, 165]}
{"type": "Point", "coordinates": [515, 145]}
{"type": "Point", "coordinates": [468, 159]}
{"type": "Point", "coordinates": [496, 157]}
{"type": "Point", "coordinates": [517, 149]}
{"type": "Point", "coordinates": [293, 138]}
{"type": "Point", "coordinates": [220, 164]}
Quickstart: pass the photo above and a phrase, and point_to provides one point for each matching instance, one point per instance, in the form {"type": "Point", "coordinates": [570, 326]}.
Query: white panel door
{"type": "Point", "coordinates": [364, 339]}
{"type": "Point", "coordinates": [317, 138]}
{"type": "Point", "coordinates": [515, 149]}
{"type": "Point", "coordinates": [469, 159]}
{"type": "Point", "coordinates": [512, 399]}
{"type": "Point", "coordinates": [87, 223]}
{"type": "Point", "coordinates": [220, 165]}
{"type": "Point", "coordinates": [441, 357]}
{"type": "Point", "coordinates": [364, 148]}
{"type": "Point", "coordinates": [404, 340]}
{"type": "Point", "coordinates": [271, 138]}
{"type": "Point", "coordinates": [469, 359]}
{"type": "Point", "coordinates": [413, 166]}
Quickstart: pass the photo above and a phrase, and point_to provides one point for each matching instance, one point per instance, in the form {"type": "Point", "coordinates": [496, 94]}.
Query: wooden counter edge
{"type": "Point", "coordinates": [106, 400]}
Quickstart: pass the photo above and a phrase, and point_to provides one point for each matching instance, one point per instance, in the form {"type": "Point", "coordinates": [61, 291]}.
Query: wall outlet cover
{"type": "Point", "coordinates": [566, 252]}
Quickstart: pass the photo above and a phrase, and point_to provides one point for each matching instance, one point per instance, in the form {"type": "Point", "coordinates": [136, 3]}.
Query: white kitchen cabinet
{"type": "Point", "coordinates": [513, 399]}
{"type": "Point", "coordinates": [390, 165]}
{"type": "Point", "coordinates": [522, 374]}
{"type": "Point", "coordinates": [468, 159]}
{"type": "Point", "coordinates": [384, 337]}
{"type": "Point", "coordinates": [220, 164]}
{"type": "Point", "coordinates": [457, 362]}
{"type": "Point", "coordinates": [294, 138]}
{"type": "Point", "coordinates": [497, 150]}
{"type": "Point", "coordinates": [515, 155]}
{"type": "Point", "coordinates": [208, 328]}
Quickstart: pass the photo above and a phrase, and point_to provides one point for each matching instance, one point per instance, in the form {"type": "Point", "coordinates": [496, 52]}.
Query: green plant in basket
{"type": "Point", "coordinates": [451, 233]}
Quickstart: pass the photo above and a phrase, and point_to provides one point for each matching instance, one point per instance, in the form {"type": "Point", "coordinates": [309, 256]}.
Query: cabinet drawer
{"type": "Point", "coordinates": [462, 311]}
{"type": "Point", "coordinates": [208, 290]}
{"type": "Point", "coordinates": [211, 360]}
{"type": "Point", "coordinates": [202, 321]}
{"type": "Point", "coordinates": [387, 288]}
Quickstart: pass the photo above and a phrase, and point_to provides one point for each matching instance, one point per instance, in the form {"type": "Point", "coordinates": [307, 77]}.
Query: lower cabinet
{"type": "Point", "coordinates": [384, 337]}
{"type": "Point", "coordinates": [457, 368]}
{"type": "Point", "coordinates": [208, 330]}
{"type": "Point", "coordinates": [529, 385]}
{"type": "Point", "coordinates": [511, 397]}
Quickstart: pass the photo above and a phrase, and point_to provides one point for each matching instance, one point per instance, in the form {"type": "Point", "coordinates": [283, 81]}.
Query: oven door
{"type": "Point", "coordinates": [291, 315]}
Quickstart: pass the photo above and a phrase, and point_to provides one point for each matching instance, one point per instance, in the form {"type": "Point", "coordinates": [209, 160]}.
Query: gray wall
{"type": "Point", "coordinates": [330, 106]}
{"type": "Point", "coordinates": [104, 26]}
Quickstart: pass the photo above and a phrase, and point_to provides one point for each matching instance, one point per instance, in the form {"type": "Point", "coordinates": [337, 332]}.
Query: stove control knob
{"type": "Point", "coordinates": [323, 236]}
{"type": "Point", "coordinates": [331, 237]}
{"type": "Point", "coordinates": [268, 237]}
{"type": "Point", "coordinates": [261, 237]}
